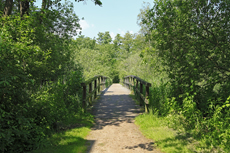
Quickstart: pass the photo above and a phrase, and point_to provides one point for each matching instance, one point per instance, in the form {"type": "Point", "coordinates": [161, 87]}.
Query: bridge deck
{"type": "Point", "coordinates": [115, 131]}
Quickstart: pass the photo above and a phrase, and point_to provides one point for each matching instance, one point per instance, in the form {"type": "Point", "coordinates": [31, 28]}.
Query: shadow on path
{"type": "Point", "coordinates": [114, 129]}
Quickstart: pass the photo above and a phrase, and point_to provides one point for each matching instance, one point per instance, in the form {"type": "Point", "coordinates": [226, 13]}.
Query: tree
{"type": "Point", "coordinates": [24, 5]}
{"type": "Point", "coordinates": [192, 38]}
{"type": "Point", "coordinates": [39, 79]}
{"type": "Point", "coordinates": [142, 17]}
{"type": "Point", "coordinates": [127, 42]}
{"type": "Point", "coordinates": [104, 38]}
{"type": "Point", "coordinates": [8, 7]}
{"type": "Point", "coordinates": [117, 42]}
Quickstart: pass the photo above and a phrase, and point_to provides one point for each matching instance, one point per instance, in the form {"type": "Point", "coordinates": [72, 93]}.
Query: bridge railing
{"type": "Point", "coordinates": [135, 83]}
{"type": "Point", "coordinates": [91, 88]}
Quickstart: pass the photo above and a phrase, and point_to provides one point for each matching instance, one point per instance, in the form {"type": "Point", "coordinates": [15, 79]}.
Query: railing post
{"type": "Point", "coordinates": [84, 98]}
{"type": "Point", "coordinates": [128, 82]}
{"type": "Point", "coordinates": [136, 87]}
{"type": "Point", "coordinates": [95, 86]}
{"type": "Point", "coordinates": [105, 82]}
{"type": "Point", "coordinates": [141, 91]}
{"type": "Point", "coordinates": [102, 81]}
{"type": "Point", "coordinates": [90, 91]}
{"type": "Point", "coordinates": [99, 86]}
{"type": "Point", "coordinates": [133, 82]}
{"type": "Point", "coordinates": [147, 99]}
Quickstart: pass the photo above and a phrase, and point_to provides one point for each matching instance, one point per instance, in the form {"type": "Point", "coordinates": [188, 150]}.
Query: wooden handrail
{"type": "Point", "coordinates": [135, 83]}
{"type": "Point", "coordinates": [99, 82]}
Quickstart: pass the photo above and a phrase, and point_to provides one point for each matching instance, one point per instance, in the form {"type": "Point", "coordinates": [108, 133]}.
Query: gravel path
{"type": "Point", "coordinates": [114, 130]}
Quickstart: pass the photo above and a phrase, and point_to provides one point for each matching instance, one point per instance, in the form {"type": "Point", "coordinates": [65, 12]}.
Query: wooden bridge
{"type": "Point", "coordinates": [114, 112]}
{"type": "Point", "coordinates": [93, 87]}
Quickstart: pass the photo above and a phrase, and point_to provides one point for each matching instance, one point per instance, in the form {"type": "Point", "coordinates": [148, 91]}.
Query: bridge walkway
{"type": "Point", "coordinates": [114, 130]}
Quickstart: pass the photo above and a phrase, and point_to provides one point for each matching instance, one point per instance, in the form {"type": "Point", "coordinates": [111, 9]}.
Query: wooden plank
{"type": "Point", "coordinates": [139, 79]}
{"type": "Point", "coordinates": [129, 84]}
{"type": "Point", "coordinates": [92, 79]}
{"type": "Point", "coordinates": [95, 87]}
{"type": "Point", "coordinates": [129, 81]}
{"type": "Point", "coordinates": [142, 97]}
{"type": "Point", "coordinates": [84, 98]}
{"type": "Point", "coordinates": [98, 81]}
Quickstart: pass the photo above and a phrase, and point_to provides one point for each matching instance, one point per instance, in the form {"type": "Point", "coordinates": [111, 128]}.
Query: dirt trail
{"type": "Point", "coordinates": [114, 130]}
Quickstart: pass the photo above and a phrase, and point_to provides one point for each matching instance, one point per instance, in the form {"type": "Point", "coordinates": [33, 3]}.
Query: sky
{"type": "Point", "coordinates": [115, 16]}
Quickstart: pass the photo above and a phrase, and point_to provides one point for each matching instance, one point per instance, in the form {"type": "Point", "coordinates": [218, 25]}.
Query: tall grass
{"type": "Point", "coordinates": [71, 137]}
{"type": "Point", "coordinates": [212, 134]}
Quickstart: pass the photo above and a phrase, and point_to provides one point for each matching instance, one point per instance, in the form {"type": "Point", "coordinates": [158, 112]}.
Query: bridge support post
{"type": "Point", "coordinates": [136, 89]}
{"type": "Point", "coordinates": [133, 83]}
{"type": "Point", "coordinates": [147, 99]}
{"type": "Point", "coordinates": [141, 91]}
{"type": "Point", "coordinates": [102, 81]}
{"type": "Point", "coordinates": [90, 91]}
{"type": "Point", "coordinates": [99, 85]}
{"type": "Point", "coordinates": [84, 98]}
{"type": "Point", "coordinates": [95, 87]}
{"type": "Point", "coordinates": [128, 81]}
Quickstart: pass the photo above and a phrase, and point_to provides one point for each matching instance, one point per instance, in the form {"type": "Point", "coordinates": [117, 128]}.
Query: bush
{"type": "Point", "coordinates": [30, 110]}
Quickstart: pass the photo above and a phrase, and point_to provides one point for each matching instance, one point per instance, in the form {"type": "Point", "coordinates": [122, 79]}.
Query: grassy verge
{"type": "Point", "coordinates": [71, 138]}
{"type": "Point", "coordinates": [165, 138]}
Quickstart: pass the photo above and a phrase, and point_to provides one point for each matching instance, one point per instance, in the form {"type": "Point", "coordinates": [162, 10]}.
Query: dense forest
{"type": "Point", "coordinates": [182, 48]}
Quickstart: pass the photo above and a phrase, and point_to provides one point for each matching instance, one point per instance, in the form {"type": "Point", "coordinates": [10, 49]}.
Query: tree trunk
{"type": "Point", "coordinates": [44, 4]}
{"type": "Point", "coordinates": [24, 7]}
{"type": "Point", "coordinates": [8, 7]}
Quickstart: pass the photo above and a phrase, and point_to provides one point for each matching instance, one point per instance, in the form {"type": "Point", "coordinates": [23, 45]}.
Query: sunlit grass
{"type": "Point", "coordinates": [165, 138]}
{"type": "Point", "coordinates": [72, 137]}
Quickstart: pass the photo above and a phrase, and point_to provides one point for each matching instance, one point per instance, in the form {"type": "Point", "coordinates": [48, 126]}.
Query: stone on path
{"type": "Point", "coordinates": [114, 130]}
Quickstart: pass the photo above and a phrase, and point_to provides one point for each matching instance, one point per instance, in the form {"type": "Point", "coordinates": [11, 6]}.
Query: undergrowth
{"type": "Point", "coordinates": [71, 136]}
{"type": "Point", "coordinates": [167, 139]}
{"type": "Point", "coordinates": [176, 128]}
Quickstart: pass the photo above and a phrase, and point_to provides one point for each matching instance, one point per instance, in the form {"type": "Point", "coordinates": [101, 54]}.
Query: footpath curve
{"type": "Point", "coordinates": [114, 130]}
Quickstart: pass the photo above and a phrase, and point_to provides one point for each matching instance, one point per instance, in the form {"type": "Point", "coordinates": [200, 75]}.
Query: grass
{"type": "Point", "coordinates": [72, 137]}
{"type": "Point", "coordinates": [166, 139]}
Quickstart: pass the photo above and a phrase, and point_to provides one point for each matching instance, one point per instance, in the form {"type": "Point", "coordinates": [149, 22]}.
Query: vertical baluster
{"type": "Point", "coordinates": [147, 99]}
{"type": "Point", "coordinates": [99, 82]}
{"type": "Point", "coordinates": [105, 82]}
{"type": "Point", "coordinates": [133, 83]}
{"type": "Point", "coordinates": [130, 82]}
{"type": "Point", "coordinates": [95, 87]}
{"type": "Point", "coordinates": [137, 89]}
{"type": "Point", "coordinates": [84, 97]}
{"type": "Point", "coordinates": [90, 91]}
{"type": "Point", "coordinates": [141, 92]}
{"type": "Point", "coordinates": [102, 81]}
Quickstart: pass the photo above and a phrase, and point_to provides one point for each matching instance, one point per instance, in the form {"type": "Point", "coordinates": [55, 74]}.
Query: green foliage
{"type": "Point", "coordinates": [96, 58]}
{"type": "Point", "coordinates": [166, 139]}
{"type": "Point", "coordinates": [39, 82]}
{"type": "Point", "coordinates": [190, 39]}
{"type": "Point", "coordinates": [104, 38]}
{"type": "Point", "coordinates": [108, 82]}
{"type": "Point", "coordinates": [71, 138]}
